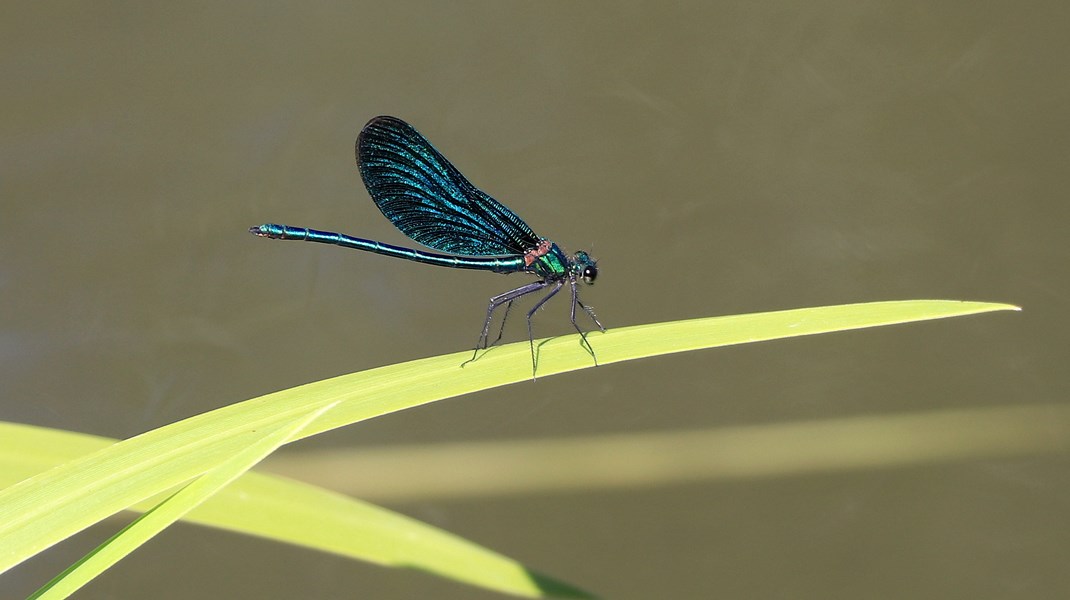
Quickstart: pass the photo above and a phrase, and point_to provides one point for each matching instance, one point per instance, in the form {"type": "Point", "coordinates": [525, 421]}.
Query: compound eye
{"type": "Point", "coordinates": [590, 273]}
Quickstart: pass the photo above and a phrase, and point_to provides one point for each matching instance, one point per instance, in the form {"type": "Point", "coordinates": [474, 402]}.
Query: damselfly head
{"type": "Point", "coordinates": [585, 267]}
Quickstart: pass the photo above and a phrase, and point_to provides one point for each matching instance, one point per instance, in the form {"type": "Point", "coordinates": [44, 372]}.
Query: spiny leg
{"type": "Point", "coordinates": [501, 329]}
{"type": "Point", "coordinates": [572, 317]}
{"type": "Point", "coordinates": [590, 313]}
{"type": "Point", "coordinates": [507, 299]}
{"type": "Point", "coordinates": [531, 334]}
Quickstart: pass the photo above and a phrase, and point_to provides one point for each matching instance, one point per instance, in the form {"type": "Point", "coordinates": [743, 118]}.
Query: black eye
{"type": "Point", "coordinates": [590, 273]}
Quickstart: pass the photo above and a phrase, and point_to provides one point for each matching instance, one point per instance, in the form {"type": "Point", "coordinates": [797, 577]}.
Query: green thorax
{"type": "Point", "coordinates": [547, 260]}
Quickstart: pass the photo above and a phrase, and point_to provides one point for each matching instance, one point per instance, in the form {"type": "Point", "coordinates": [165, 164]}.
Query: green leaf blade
{"type": "Point", "coordinates": [53, 505]}
{"type": "Point", "coordinates": [262, 443]}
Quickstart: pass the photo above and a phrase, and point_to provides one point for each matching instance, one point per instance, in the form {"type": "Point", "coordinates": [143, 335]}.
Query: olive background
{"type": "Point", "coordinates": [717, 158]}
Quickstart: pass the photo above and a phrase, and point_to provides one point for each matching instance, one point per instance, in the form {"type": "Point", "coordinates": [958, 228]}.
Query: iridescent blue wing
{"type": "Point", "coordinates": [429, 200]}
